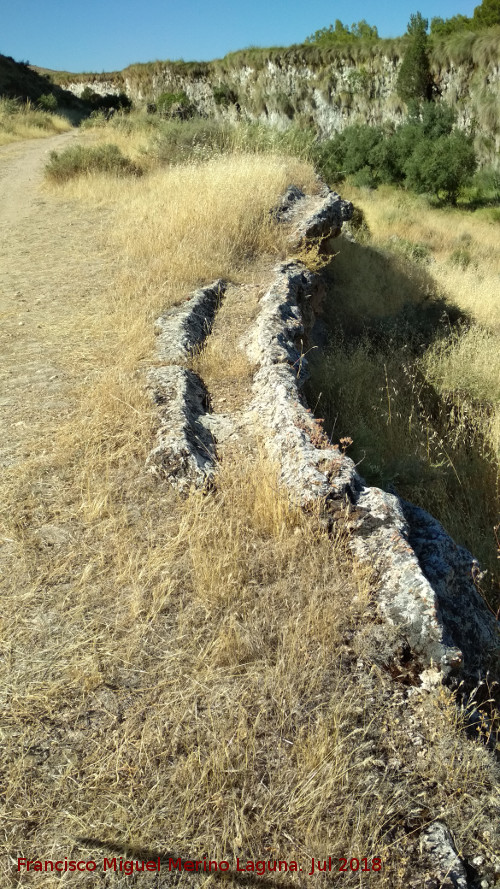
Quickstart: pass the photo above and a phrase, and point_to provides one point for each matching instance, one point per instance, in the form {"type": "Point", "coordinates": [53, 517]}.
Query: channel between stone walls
{"type": "Point", "coordinates": [425, 581]}
{"type": "Point", "coordinates": [185, 453]}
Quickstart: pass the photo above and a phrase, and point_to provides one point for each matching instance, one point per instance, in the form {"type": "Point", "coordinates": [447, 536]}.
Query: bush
{"type": "Point", "coordinates": [47, 102]}
{"type": "Point", "coordinates": [425, 154]}
{"type": "Point", "coordinates": [175, 105]}
{"type": "Point", "coordinates": [80, 159]}
{"type": "Point", "coordinates": [224, 95]}
{"type": "Point", "coordinates": [120, 102]}
{"type": "Point", "coordinates": [441, 165]}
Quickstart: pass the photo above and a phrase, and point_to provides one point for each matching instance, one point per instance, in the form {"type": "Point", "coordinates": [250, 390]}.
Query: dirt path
{"type": "Point", "coordinates": [51, 264]}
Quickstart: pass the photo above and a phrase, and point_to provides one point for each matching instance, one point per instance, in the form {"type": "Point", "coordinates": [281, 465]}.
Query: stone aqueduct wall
{"type": "Point", "coordinates": [426, 582]}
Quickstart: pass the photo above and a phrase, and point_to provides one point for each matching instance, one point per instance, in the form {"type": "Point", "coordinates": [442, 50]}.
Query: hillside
{"type": "Point", "coordinates": [19, 80]}
{"type": "Point", "coordinates": [326, 87]}
{"type": "Point", "coordinates": [250, 476]}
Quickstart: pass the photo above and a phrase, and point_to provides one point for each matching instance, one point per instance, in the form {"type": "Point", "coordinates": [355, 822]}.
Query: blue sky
{"type": "Point", "coordinates": [106, 35]}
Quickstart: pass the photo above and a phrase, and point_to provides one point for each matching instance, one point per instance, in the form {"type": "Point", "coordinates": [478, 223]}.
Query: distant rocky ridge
{"type": "Point", "coordinates": [340, 88]}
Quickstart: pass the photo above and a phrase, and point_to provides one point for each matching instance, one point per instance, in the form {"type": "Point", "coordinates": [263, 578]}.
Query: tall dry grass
{"type": "Point", "coordinates": [463, 245]}
{"type": "Point", "coordinates": [200, 677]}
{"type": "Point", "coordinates": [184, 226]}
{"type": "Point", "coordinates": [24, 121]}
{"type": "Point", "coordinates": [413, 374]}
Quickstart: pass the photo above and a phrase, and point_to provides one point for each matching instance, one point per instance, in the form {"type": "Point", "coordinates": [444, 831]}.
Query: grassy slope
{"type": "Point", "coordinates": [420, 399]}
{"type": "Point", "coordinates": [211, 681]}
{"type": "Point", "coordinates": [27, 122]}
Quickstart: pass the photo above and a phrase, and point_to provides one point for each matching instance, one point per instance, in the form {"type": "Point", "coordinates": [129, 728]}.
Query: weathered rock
{"type": "Point", "coordinates": [405, 596]}
{"type": "Point", "coordinates": [185, 453]}
{"type": "Point", "coordinates": [184, 327]}
{"type": "Point", "coordinates": [453, 572]}
{"type": "Point", "coordinates": [323, 221]}
{"type": "Point", "coordinates": [51, 535]}
{"type": "Point", "coordinates": [444, 863]}
{"type": "Point", "coordinates": [315, 220]}
{"type": "Point", "coordinates": [332, 95]}
{"type": "Point", "coordinates": [281, 213]}
{"type": "Point", "coordinates": [278, 327]}
{"type": "Point", "coordinates": [420, 568]}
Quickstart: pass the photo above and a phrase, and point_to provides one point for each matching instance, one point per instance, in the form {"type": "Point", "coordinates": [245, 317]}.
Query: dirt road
{"type": "Point", "coordinates": [51, 265]}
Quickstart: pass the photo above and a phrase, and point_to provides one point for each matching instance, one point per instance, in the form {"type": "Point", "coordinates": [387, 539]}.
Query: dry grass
{"type": "Point", "coordinates": [421, 398]}
{"type": "Point", "coordinates": [444, 232]}
{"type": "Point", "coordinates": [185, 226]}
{"type": "Point", "coordinates": [26, 122]}
{"type": "Point", "coordinates": [200, 677]}
{"type": "Point", "coordinates": [465, 271]}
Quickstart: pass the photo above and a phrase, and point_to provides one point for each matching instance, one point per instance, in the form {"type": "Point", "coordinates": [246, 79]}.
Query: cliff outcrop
{"type": "Point", "coordinates": [329, 89]}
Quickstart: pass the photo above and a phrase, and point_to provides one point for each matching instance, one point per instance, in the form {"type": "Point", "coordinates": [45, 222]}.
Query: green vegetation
{"type": "Point", "coordinates": [47, 102]}
{"type": "Point", "coordinates": [340, 33]}
{"type": "Point", "coordinates": [22, 120]}
{"type": "Point", "coordinates": [414, 76]}
{"type": "Point", "coordinates": [224, 95]}
{"type": "Point", "coordinates": [78, 159]}
{"type": "Point", "coordinates": [426, 154]}
{"type": "Point", "coordinates": [486, 15]}
{"type": "Point", "coordinates": [413, 372]}
{"type": "Point", "coordinates": [166, 102]}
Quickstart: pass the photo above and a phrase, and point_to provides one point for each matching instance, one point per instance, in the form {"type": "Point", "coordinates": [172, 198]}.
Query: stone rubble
{"type": "Point", "coordinates": [426, 583]}
{"type": "Point", "coordinates": [437, 845]}
{"type": "Point", "coordinates": [186, 450]}
{"type": "Point", "coordinates": [316, 220]}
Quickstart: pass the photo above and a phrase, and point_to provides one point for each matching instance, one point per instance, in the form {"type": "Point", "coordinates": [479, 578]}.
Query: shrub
{"type": "Point", "coordinates": [80, 159]}
{"type": "Point", "coordinates": [224, 95]}
{"type": "Point", "coordinates": [47, 102]}
{"type": "Point", "coordinates": [120, 102]}
{"type": "Point", "coordinates": [175, 104]}
{"type": "Point", "coordinates": [425, 153]}
{"type": "Point", "coordinates": [441, 165]}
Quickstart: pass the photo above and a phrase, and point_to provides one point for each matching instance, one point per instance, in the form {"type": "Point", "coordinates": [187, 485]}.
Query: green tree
{"type": "Point", "coordinates": [487, 14]}
{"type": "Point", "coordinates": [444, 27]}
{"type": "Point", "coordinates": [340, 33]}
{"type": "Point", "coordinates": [364, 31]}
{"type": "Point", "coordinates": [414, 77]}
{"type": "Point", "coordinates": [441, 165]}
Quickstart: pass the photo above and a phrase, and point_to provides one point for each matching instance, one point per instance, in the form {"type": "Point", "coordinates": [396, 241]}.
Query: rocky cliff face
{"type": "Point", "coordinates": [329, 92]}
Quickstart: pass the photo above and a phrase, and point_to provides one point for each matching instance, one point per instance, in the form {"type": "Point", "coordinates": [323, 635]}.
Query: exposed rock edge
{"type": "Point", "coordinates": [184, 327]}
{"type": "Point", "coordinates": [426, 582]}
{"type": "Point", "coordinates": [185, 453]}
{"type": "Point", "coordinates": [186, 450]}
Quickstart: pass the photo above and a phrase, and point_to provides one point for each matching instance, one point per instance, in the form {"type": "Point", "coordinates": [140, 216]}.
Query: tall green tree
{"type": "Point", "coordinates": [487, 14]}
{"type": "Point", "coordinates": [414, 77]}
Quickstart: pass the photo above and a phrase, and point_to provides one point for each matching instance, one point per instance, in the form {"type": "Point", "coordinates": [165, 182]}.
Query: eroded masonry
{"type": "Point", "coordinates": [425, 585]}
